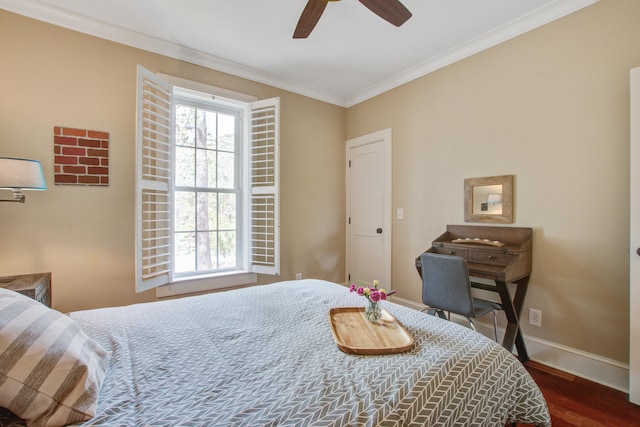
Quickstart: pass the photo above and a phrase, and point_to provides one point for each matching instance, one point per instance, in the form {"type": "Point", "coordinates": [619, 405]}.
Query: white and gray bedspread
{"type": "Point", "coordinates": [265, 356]}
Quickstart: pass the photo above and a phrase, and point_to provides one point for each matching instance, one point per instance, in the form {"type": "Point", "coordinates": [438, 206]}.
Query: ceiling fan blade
{"type": "Point", "coordinates": [390, 10]}
{"type": "Point", "coordinates": [309, 18]}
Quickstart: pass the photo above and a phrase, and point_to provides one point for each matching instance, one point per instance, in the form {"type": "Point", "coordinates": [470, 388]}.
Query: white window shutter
{"type": "Point", "coordinates": [265, 200]}
{"type": "Point", "coordinates": [154, 152]}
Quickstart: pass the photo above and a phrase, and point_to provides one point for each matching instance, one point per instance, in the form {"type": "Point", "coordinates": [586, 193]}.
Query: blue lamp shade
{"type": "Point", "coordinates": [21, 174]}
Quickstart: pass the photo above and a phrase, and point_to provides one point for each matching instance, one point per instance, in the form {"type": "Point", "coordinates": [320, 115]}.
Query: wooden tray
{"type": "Point", "coordinates": [354, 334]}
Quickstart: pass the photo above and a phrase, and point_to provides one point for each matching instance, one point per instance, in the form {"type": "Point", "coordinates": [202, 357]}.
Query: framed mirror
{"type": "Point", "coordinates": [489, 199]}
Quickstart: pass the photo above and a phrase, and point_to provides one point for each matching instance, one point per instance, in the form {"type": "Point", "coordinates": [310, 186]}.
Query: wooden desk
{"type": "Point", "coordinates": [501, 254]}
{"type": "Point", "coordinates": [36, 286]}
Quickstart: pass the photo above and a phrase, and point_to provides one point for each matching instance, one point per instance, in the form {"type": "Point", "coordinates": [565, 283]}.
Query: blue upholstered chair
{"type": "Point", "coordinates": [446, 287]}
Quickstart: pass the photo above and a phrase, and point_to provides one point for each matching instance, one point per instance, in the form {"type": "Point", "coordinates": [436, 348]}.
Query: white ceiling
{"type": "Point", "coordinates": [351, 55]}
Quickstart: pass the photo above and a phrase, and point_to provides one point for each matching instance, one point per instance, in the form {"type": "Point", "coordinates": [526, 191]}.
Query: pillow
{"type": "Point", "coordinates": [50, 370]}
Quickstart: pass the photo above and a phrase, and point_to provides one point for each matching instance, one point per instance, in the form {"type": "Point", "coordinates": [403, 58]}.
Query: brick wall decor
{"type": "Point", "coordinates": [81, 157]}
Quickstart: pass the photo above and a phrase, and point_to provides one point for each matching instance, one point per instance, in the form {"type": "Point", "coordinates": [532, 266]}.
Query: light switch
{"type": "Point", "coordinates": [400, 214]}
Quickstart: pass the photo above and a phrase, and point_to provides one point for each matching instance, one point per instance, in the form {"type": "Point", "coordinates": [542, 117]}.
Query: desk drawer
{"type": "Point", "coordinates": [492, 258]}
{"type": "Point", "coordinates": [452, 251]}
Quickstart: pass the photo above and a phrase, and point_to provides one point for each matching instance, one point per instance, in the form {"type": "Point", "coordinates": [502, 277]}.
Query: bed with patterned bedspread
{"type": "Point", "coordinates": [265, 356]}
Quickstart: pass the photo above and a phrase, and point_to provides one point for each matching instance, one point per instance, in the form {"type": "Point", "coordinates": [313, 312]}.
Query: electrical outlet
{"type": "Point", "coordinates": [298, 276]}
{"type": "Point", "coordinates": [535, 317]}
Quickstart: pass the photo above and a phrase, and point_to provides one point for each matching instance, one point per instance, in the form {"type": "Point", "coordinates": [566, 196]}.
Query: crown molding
{"type": "Point", "coordinates": [532, 20]}
{"type": "Point", "coordinates": [44, 12]}
{"type": "Point", "coordinates": [83, 24]}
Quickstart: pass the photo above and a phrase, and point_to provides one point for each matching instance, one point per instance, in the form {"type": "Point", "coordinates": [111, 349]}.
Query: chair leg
{"type": "Point", "coordinates": [436, 311]}
{"type": "Point", "coordinates": [471, 323]}
{"type": "Point", "coordinates": [429, 310]}
{"type": "Point", "coordinates": [495, 325]}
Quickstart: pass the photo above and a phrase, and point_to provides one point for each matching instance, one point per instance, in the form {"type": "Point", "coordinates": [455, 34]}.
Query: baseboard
{"type": "Point", "coordinates": [592, 367]}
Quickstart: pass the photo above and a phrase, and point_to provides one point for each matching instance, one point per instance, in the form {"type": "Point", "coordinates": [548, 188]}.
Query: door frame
{"type": "Point", "coordinates": [634, 241]}
{"type": "Point", "coordinates": [383, 136]}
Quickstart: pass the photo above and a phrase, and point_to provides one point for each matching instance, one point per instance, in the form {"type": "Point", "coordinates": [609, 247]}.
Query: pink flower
{"type": "Point", "coordinates": [373, 293]}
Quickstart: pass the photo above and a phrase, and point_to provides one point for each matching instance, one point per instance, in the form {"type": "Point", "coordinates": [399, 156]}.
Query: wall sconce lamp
{"type": "Point", "coordinates": [20, 174]}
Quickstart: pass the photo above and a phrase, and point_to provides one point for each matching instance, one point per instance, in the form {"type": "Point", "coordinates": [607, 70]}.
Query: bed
{"type": "Point", "coordinates": [265, 356]}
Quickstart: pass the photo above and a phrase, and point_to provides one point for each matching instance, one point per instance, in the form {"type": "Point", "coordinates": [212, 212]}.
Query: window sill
{"type": "Point", "coordinates": [202, 284]}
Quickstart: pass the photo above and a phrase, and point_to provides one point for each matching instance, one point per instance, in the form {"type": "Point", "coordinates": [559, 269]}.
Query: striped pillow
{"type": "Point", "coordinates": [50, 370]}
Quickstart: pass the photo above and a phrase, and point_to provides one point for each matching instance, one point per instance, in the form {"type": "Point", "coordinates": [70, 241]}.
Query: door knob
{"type": "Point", "coordinates": [379, 231]}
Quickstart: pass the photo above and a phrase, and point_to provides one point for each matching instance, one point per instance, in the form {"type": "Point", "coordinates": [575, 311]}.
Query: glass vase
{"type": "Point", "coordinates": [373, 312]}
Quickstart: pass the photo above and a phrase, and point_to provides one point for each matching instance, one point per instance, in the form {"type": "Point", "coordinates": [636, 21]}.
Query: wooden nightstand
{"type": "Point", "coordinates": [36, 286]}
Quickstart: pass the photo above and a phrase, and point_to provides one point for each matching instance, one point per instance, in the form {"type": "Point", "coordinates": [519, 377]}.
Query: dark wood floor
{"type": "Point", "coordinates": [574, 401]}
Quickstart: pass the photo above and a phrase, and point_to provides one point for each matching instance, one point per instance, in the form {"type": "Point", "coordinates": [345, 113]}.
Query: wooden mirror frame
{"type": "Point", "coordinates": [507, 199]}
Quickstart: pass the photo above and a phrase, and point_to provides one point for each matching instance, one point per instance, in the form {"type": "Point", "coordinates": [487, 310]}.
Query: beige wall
{"type": "Point", "coordinates": [552, 108]}
{"type": "Point", "coordinates": [85, 235]}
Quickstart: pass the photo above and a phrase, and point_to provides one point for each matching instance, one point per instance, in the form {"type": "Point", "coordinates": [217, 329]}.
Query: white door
{"type": "Point", "coordinates": [634, 262]}
{"type": "Point", "coordinates": [369, 209]}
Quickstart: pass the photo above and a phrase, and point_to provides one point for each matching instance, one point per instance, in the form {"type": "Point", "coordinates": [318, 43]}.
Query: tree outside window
{"type": "Point", "coordinates": [206, 190]}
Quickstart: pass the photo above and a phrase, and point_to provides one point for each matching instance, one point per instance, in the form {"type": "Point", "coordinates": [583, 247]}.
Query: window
{"type": "Point", "coordinates": [207, 192]}
{"type": "Point", "coordinates": [206, 187]}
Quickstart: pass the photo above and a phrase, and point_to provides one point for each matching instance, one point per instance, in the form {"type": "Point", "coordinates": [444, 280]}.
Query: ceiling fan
{"type": "Point", "coordinates": [390, 10]}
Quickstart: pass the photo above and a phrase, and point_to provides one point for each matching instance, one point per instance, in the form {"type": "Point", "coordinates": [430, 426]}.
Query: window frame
{"type": "Point", "coordinates": [239, 189]}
